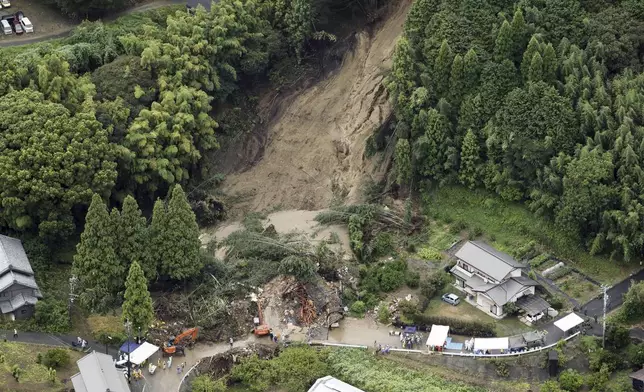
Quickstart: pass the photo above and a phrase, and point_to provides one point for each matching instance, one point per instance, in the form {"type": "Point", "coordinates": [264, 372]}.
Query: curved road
{"type": "Point", "coordinates": [19, 40]}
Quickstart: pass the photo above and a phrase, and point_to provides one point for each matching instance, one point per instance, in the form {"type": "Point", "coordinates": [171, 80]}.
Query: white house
{"type": "Point", "coordinates": [490, 278]}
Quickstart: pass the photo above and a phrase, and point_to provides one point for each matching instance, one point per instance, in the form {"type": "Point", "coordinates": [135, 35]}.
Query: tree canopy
{"type": "Point", "coordinates": [539, 101]}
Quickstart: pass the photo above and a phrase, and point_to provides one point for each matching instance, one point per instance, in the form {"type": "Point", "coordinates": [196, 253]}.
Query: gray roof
{"type": "Point", "coordinates": [17, 302]}
{"type": "Point", "coordinates": [503, 292]}
{"type": "Point", "coordinates": [532, 304]}
{"type": "Point", "coordinates": [331, 384]}
{"type": "Point", "coordinates": [13, 256]}
{"type": "Point", "coordinates": [10, 278]}
{"type": "Point", "coordinates": [638, 375]}
{"type": "Point", "coordinates": [98, 374]}
{"type": "Point", "coordinates": [487, 259]}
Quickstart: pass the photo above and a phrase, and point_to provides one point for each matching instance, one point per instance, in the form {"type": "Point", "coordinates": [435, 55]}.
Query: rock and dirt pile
{"type": "Point", "coordinates": [314, 150]}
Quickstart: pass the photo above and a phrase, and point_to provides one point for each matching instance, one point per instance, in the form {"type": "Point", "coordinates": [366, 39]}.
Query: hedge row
{"type": "Point", "coordinates": [456, 326]}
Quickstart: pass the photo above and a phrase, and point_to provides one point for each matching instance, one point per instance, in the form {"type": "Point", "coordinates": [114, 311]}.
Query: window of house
{"type": "Point", "coordinates": [23, 311]}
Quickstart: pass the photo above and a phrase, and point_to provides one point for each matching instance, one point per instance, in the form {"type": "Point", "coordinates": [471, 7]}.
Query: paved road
{"type": "Point", "coordinates": [595, 307]}
{"type": "Point", "coordinates": [55, 340]}
{"type": "Point", "coordinates": [17, 40]}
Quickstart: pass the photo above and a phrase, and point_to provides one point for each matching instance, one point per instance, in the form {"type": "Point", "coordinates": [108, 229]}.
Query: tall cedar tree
{"type": "Point", "coordinates": [471, 70]}
{"type": "Point", "coordinates": [531, 50]}
{"type": "Point", "coordinates": [156, 232]}
{"type": "Point", "coordinates": [96, 266]}
{"type": "Point", "coordinates": [133, 238]}
{"type": "Point", "coordinates": [442, 69]}
{"type": "Point", "coordinates": [457, 81]}
{"type": "Point", "coordinates": [504, 42]}
{"type": "Point", "coordinates": [178, 240]}
{"type": "Point", "coordinates": [470, 161]}
{"type": "Point", "coordinates": [535, 74]}
{"type": "Point", "coordinates": [137, 307]}
{"type": "Point", "coordinates": [403, 162]}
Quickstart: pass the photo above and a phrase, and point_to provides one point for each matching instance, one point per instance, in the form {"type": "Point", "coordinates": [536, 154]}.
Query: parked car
{"type": "Point", "coordinates": [451, 299]}
{"type": "Point", "coordinates": [26, 24]}
{"type": "Point", "coordinates": [17, 26]}
{"type": "Point", "coordinates": [6, 27]}
{"type": "Point", "coordinates": [5, 3]}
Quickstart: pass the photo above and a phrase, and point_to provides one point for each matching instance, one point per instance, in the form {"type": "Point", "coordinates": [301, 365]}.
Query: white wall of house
{"type": "Point", "coordinates": [515, 273]}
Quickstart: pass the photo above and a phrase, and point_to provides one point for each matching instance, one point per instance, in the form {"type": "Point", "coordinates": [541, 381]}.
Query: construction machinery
{"type": "Point", "coordinates": [176, 345]}
{"type": "Point", "coordinates": [261, 329]}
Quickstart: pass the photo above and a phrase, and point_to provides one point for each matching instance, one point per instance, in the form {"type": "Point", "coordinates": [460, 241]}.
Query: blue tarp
{"type": "Point", "coordinates": [132, 346]}
{"type": "Point", "coordinates": [410, 329]}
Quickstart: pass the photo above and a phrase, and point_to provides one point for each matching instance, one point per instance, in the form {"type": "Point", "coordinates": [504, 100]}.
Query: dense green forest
{"type": "Point", "coordinates": [540, 101]}
{"type": "Point", "coordinates": [129, 108]}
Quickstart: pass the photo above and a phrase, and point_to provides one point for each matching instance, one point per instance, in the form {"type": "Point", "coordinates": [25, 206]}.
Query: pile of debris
{"type": "Point", "coordinates": [395, 304]}
{"type": "Point", "coordinates": [291, 306]}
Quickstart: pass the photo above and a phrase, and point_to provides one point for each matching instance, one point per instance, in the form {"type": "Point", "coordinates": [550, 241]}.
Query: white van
{"type": "Point", "coordinates": [6, 27]}
{"type": "Point", "coordinates": [5, 3]}
{"type": "Point", "coordinates": [26, 24]}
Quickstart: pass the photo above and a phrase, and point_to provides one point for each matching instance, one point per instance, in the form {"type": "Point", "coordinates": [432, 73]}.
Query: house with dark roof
{"type": "Point", "coordinates": [98, 374]}
{"type": "Point", "coordinates": [490, 278]}
{"type": "Point", "coordinates": [18, 289]}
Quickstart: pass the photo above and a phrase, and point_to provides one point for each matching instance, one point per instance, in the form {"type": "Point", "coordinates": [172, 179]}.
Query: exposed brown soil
{"type": "Point", "coordinates": [312, 150]}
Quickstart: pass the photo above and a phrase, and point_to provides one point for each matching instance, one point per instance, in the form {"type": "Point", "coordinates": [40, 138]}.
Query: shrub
{"type": "Point", "coordinates": [383, 277]}
{"type": "Point", "coordinates": [635, 355]}
{"type": "Point", "coordinates": [413, 279]}
{"type": "Point", "coordinates": [556, 302]}
{"type": "Point", "coordinates": [604, 358]}
{"type": "Point", "coordinates": [382, 244]}
{"type": "Point", "coordinates": [358, 308]}
{"type": "Point", "coordinates": [16, 372]}
{"type": "Point", "coordinates": [597, 381]}
{"type": "Point", "coordinates": [204, 383]}
{"type": "Point", "coordinates": [51, 315]}
{"type": "Point", "coordinates": [550, 386]}
{"type": "Point", "coordinates": [511, 308]}
{"type": "Point", "coordinates": [429, 253]}
{"type": "Point", "coordinates": [570, 380]}
{"type": "Point", "coordinates": [300, 267]}
{"type": "Point", "coordinates": [502, 368]}
{"type": "Point", "coordinates": [538, 260]}
{"type": "Point", "coordinates": [617, 336]}
{"type": "Point", "coordinates": [56, 358]}
{"type": "Point", "coordinates": [384, 315]}
{"type": "Point", "coordinates": [434, 284]}
{"type": "Point", "coordinates": [51, 375]}
{"type": "Point", "coordinates": [633, 307]}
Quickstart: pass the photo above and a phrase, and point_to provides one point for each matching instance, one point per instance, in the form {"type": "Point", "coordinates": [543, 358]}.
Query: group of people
{"type": "Point", "coordinates": [81, 342]}
{"type": "Point", "coordinates": [383, 350]}
{"type": "Point", "coordinates": [273, 337]}
{"type": "Point", "coordinates": [168, 365]}
{"type": "Point", "coordinates": [409, 341]}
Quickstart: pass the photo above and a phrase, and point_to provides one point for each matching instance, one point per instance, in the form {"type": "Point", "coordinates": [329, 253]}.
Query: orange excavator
{"type": "Point", "coordinates": [176, 345]}
{"type": "Point", "coordinates": [261, 329]}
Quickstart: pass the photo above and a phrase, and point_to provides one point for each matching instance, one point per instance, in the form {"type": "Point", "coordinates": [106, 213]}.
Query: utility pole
{"type": "Point", "coordinates": [128, 328]}
{"type": "Point", "coordinates": [606, 298]}
{"type": "Point", "coordinates": [73, 280]}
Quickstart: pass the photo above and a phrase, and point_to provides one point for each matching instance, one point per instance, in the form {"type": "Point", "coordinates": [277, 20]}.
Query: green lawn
{"type": "Point", "coordinates": [511, 225]}
{"type": "Point", "coordinates": [506, 327]}
{"type": "Point", "coordinates": [35, 377]}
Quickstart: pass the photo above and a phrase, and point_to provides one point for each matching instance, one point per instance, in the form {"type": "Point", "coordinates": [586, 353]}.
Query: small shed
{"type": "Point", "coordinates": [638, 380]}
{"type": "Point", "coordinates": [533, 305]}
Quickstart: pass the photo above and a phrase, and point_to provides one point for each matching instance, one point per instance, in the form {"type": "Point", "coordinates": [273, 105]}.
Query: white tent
{"type": "Point", "coordinates": [569, 322]}
{"type": "Point", "coordinates": [491, 343]}
{"type": "Point", "coordinates": [437, 335]}
{"type": "Point", "coordinates": [145, 351]}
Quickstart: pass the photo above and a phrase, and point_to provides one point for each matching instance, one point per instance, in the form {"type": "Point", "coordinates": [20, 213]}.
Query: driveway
{"type": "Point", "coordinates": [595, 307]}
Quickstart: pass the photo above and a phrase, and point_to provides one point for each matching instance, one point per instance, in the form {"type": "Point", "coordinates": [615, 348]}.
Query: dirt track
{"type": "Point", "coordinates": [316, 142]}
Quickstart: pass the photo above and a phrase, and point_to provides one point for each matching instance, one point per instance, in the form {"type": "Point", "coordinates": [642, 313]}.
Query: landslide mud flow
{"type": "Point", "coordinates": [315, 146]}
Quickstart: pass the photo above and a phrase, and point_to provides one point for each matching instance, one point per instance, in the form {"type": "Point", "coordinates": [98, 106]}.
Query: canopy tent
{"type": "Point", "coordinates": [491, 344]}
{"type": "Point", "coordinates": [145, 351]}
{"type": "Point", "coordinates": [410, 330]}
{"type": "Point", "coordinates": [517, 342]}
{"type": "Point", "coordinates": [129, 347]}
{"type": "Point", "coordinates": [569, 322]}
{"type": "Point", "coordinates": [532, 304]}
{"type": "Point", "coordinates": [437, 335]}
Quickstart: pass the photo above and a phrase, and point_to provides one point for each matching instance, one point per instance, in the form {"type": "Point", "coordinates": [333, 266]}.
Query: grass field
{"type": "Point", "coordinates": [511, 225]}
{"type": "Point", "coordinates": [35, 377]}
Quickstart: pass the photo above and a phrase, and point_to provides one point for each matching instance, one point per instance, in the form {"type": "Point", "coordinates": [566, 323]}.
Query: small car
{"type": "Point", "coordinates": [5, 3]}
{"type": "Point", "coordinates": [451, 299]}
{"type": "Point", "coordinates": [6, 27]}
{"type": "Point", "coordinates": [17, 26]}
{"type": "Point", "coordinates": [26, 25]}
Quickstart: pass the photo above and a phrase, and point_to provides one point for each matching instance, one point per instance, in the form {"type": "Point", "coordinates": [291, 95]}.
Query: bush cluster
{"type": "Point", "coordinates": [56, 358]}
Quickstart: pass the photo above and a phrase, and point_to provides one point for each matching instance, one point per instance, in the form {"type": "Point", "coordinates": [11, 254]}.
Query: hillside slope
{"type": "Point", "coordinates": [315, 145]}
